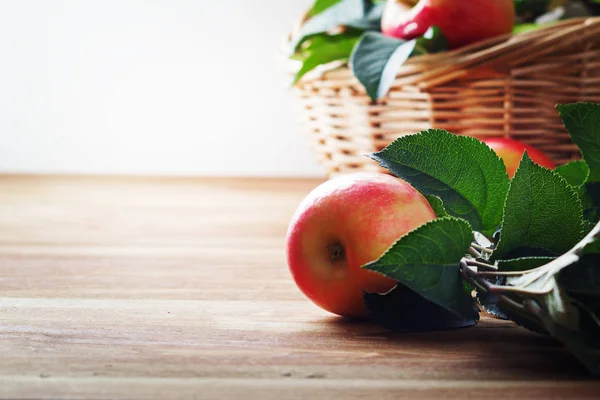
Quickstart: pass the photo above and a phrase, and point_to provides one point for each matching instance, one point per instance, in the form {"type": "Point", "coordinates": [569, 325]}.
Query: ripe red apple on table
{"type": "Point", "coordinates": [343, 224]}
{"type": "Point", "coordinates": [511, 152]}
{"type": "Point", "coordinates": [461, 21]}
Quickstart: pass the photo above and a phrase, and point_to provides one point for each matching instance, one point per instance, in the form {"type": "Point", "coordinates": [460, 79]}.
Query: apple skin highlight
{"type": "Point", "coordinates": [462, 22]}
{"type": "Point", "coordinates": [344, 224]}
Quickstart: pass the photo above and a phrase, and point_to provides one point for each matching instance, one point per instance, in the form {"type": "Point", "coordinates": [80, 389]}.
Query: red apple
{"type": "Point", "coordinates": [511, 152]}
{"type": "Point", "coordinates": [343, 224]}
{"type": "Point", "coordinates": [461, 21]}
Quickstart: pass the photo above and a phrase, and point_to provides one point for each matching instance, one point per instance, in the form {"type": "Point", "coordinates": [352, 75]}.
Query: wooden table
{"type": "Point", "coordinates": [178, 288]}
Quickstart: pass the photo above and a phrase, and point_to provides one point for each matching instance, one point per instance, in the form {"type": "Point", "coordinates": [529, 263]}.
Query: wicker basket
{"type": "Point", "coordinates": [504, 87]}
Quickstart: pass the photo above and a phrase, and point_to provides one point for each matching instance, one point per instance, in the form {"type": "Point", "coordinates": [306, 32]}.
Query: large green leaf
{"type": "Point", "coordinates": [426, 260]}
{"type": "Point", "coordinates": [464, 173]}
{"type": "Point", "coordinates": [575, 172]}
{"type": "Point", "coordinates": [582, 120]}
{"type": "Point", "coordinates": [404, 309]}
{"type": "Point", "coordinates": [437, 205]}
{"type": "Point", "coordinates": [376, 59]}
{"type": "Point", "coordinates": [323, 49]}
{"type": "Point", "coordinates": [542, 213]}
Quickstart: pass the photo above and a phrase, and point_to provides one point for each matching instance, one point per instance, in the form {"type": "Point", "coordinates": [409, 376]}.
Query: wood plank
{"type": "Point", "coordinates": [210, 388]}
{"type": "Point", "coordinates": [136, 288]}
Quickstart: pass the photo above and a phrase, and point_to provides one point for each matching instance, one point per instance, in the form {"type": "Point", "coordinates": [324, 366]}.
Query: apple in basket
{"type": "Point", "coordinates": [511, 152]}
{"type": "Point", "coordinates": [461, 21]}
{"type": "Point", "coordinates": [343, 224]}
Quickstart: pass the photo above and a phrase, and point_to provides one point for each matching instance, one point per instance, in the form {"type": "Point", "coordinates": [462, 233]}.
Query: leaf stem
{"type": "Point", "coordinates": [478, 280]}
{"type": "Point", "coordinates": [511, 303]}
{"type": "Point", "coordinates": [513, 289]}
{"type": "Point", "coordinates": [474, 252]}
{"type": "Point", "coordinates": [479, 264]}
{"type": "Point", "coordinates": [476, 276]}
{"type": "Point", "coordinates": [472, 276]}
{"type": "Point", "coordinates": [499, 273]}
{"type": "Point", "coordinates": [481, 248]}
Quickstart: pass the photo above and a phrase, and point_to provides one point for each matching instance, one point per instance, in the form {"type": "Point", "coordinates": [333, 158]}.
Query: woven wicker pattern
{"type": "Point", "coordinates": [505, 87]}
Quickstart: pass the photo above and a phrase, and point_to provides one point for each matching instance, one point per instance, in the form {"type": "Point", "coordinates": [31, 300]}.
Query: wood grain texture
{"type": "Point", "coordinates": [178, 288]}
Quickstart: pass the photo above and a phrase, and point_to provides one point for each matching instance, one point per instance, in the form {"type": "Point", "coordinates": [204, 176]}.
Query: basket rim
{"type": "Point", "coordinates": [430, 70]}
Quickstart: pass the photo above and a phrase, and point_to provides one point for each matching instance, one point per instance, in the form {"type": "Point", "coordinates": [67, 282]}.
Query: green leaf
{"type": "Point", "coordinates": [433, 41]}
{"type": "Point", "coordinates": [544, 285]}
{"type": "Point", "coordinates": [427, 261]}
{"type": "Point", "coordinates": [592, 247]}
{"type": "Point", "coordinates": [321, 5]}
{"type": "Point", "coordinates": [542, 212]}
{"type": "Point", "coordinates": [523, 263]}
{"type": "Point", "coordinates": [376, 59]}
{"type": "Point", "coordinates": [528, 10]}
{"type": "Point", "coordinates": [587, 225]}
{"type": "Point", "coordinates": [340, 14]}
{"type": "Point", "coordinates": [405, 309]}
{"type": "Point", "coordinates": [437, 206]}
{"type": "Point", "coordinates": [324, 49]}
{"type": "Point", "coordinates": [464, 173]}
{"type": "Point", "coordinates": [491, 303]}
{"type": "Point", "coordinates": [592, 7]}
{"type": "Point", "coordinates": [560, 298]}
{"type": "Point", "coordinates": [583, 278]}
{"type": "Point", "coordinates": [527, 27]}
{"type": "Point", "coordinates": [589, 194]}
{"type": "Point", "coordinates": [371, 21]}
{"type": "Point", "coordinates": [360, 14]}
{"type": "Point", "coordinates": [564, 296]}
{"type": "Point", "coordinates": [575, 172]}
{"type": "Point", "coordinates": [582, 120]}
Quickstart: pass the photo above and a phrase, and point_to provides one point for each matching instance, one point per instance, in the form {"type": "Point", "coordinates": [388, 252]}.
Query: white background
{"type": "Point", "coordinates": [167, 87]}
